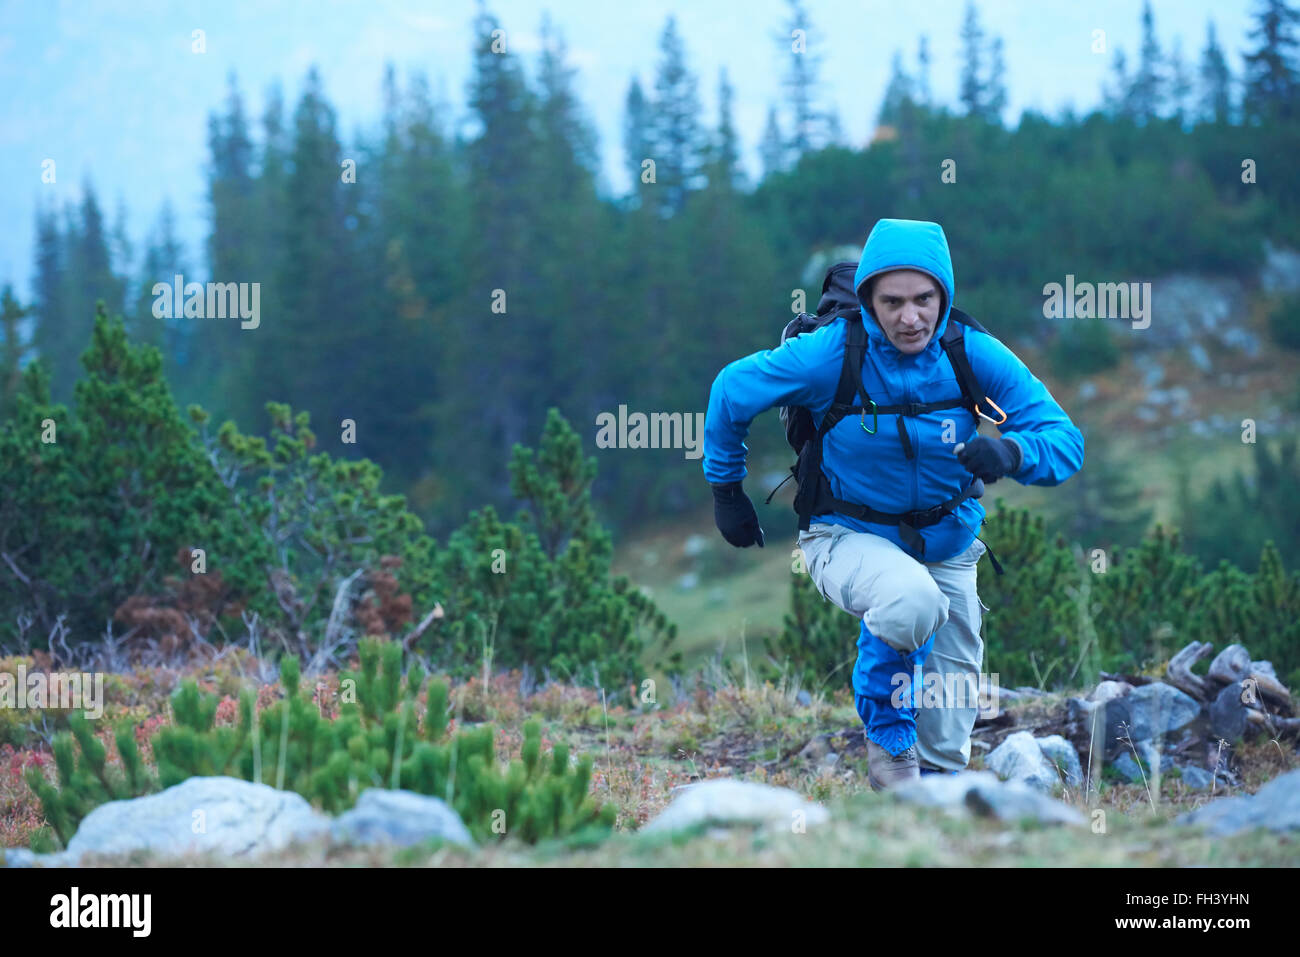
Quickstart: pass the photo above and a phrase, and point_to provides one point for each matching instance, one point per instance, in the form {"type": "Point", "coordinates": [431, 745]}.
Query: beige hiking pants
{"type": "Point", "coordinates": [903, 602]}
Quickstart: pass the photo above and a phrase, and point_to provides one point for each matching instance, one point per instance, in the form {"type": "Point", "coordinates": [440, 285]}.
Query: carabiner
{"type": "Point", "coordinates": [875, 419]}
{"type": "Point", "coordinates": [985, 417]}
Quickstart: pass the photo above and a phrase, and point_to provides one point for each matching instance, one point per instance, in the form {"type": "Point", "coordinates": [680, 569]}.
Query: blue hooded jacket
{"type": "Point", "coordinates": [873, 469]}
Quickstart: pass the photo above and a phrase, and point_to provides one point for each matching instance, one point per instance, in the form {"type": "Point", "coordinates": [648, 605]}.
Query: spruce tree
{"type": "Point", "coordinates": [1272, 75]}
{"type": "Point", "coordinates": [1215, 81]}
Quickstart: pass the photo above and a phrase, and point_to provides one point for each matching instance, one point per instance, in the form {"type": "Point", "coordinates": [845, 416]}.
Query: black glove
{"type": "Point", "coordinates": [735, 517]}
{"type": "Point", "coordinates": [990, 459]}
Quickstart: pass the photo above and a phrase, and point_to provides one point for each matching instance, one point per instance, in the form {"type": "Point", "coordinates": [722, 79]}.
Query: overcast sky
{"type": "Point", "coordinates": [113, 93]}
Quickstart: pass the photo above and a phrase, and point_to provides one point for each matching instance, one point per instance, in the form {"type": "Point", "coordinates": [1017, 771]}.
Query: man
{"type": "Point", "coordinates": [913, 588]}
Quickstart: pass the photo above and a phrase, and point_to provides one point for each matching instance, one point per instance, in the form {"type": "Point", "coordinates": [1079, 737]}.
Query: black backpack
{"type": "Point", "coordinates": [840, 300]}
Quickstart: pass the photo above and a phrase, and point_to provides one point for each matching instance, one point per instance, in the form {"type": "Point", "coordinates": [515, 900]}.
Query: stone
{"type": "Point", "coordinates": [1159, 709]}
{"type": "Point", "coordinates": [981, 793]}
{"type": "Point", "coordinates": [1108, 690]}
{"type": "Point", "coordinates": [399, 818]}
{"type": "Point", "coordinates": [1150, 760]}
{"type": "Point", "coordinates": [220, 814]}
{"type": "Point", "coordinates": [727, 801]}
{"type": "Point", "coordinates": [1063, 756]}
{"type": "Point", "coordinates": [1019, 758]}
{"type": "Point", "coordinates": [1228, 714]}
{"type": "Point", "coordinates": [1198, 779]}
{"type": "Point", "coordinates": [1275, 806]}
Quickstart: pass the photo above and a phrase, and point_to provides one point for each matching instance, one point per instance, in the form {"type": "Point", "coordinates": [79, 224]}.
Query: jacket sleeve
{"type": "Point", "coordinates": [802, 371]}
{"type": "Point", "coordinates": [1052, 445]}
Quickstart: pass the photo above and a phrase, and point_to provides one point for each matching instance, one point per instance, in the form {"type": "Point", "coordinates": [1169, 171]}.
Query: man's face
{"type": "Point", "coordinates": [906, 304]}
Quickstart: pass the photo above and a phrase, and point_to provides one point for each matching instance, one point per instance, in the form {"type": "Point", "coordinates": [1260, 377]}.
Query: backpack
{"type": "Point", "coordinates": [840, 300]}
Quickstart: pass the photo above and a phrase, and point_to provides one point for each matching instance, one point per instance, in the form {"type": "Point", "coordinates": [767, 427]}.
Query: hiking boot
{"type": "Point", "coordinates": [885, 770]}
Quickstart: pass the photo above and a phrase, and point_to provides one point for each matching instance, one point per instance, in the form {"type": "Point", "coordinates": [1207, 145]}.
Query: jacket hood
{"type": "Point", "coordinates": [905, 244]}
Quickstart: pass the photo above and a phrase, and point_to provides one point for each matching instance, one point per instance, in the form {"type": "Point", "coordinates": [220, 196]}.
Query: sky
{"type": "Point", "coordinates": [115, 94]}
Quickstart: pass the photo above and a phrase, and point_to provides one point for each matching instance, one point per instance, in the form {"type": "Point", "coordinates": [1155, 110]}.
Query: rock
{"type": "Point", "coordinates": [1275, 806]}
{"type": "Point", "coordinates": [1197, 778]}
{"type": "Point", "coordinates": [1109, 690]}
{"type": "Point", "coordinates": [1063, 756]}
{"type": "Point", "coordinates": [1200, 358]}
{"type": "Point", "coordinates": [1281, 270]}
{"type": "Point", "coordinates": [1228, 714]}
{"type": "Point", "coordinates": [1019, 758]}
{"type": "Point", "coordinates": [21, 857]}
{"type": "Point", "coordinates": [237, 818]}
{"type": "Point", "coordinates": [1150, 760]}
{"type": "Point", "coordinates": [400, 818]}
{"type": "Point", "coordinates": [803, 699]}
{"type": "Point", "coordinates": [1151, 370]}
{"type": "Point", "coordinates": [1240, 339]}
{"type": "Point", "coordinates": [1158, 709]}
{"type": "Point", "coordinates": [980, 792]}
{"type": "Point", "coordinates": [727, 801]}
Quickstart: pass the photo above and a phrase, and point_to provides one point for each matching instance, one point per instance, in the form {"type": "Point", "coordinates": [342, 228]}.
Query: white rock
{"type": "Point", "coordinates": [399, 818]}
{"type": "Point", "coordinates": [1019, 758]}
{"type": "Point", "coordinates": [728, 801]}
{"type": "Point", "coordinates": [221, 814]}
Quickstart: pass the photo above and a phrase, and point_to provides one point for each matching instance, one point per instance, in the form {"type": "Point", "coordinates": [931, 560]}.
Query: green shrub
{"type": "Point", "coordinates": [378, 740]}
{"type": "Point", "coordinates": [1284, 321]}
{"type": "Point", "coordinates": [1083, 347]}
{"type": "Point", "coordinates": [99, 513]}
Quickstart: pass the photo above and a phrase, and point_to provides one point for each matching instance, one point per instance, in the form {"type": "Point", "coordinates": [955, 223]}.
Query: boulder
{"type": "Point", "coordinates": [981, 793]}
{"type": "Point", "coordinates": [1063, 756]}
{"type": "Point", "coordinates": [1019, 758]}
{"type": "Point", "coordinates": [1228, 714]}
{"type": "Point", "coordinates": [726, 801]}
{"type": "Point", "coordinates": [1159, 709]}
{"type": "Point", "coordinates": [1275, 806]}
{"type": "Point", "coordinates": [1150, 759]}
{"type": "Point", "coordinates": [399, 818]}
{"type": "Point", "coordinates": [1197, 779]}
{"type": "Point", "coordinates": [220, 814]}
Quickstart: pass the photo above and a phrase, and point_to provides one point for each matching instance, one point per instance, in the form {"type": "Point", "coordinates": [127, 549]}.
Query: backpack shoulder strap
{"type": "Point", "coordinates": [855, 349]}
{"type": "Point", "coordinates": [953, 342]}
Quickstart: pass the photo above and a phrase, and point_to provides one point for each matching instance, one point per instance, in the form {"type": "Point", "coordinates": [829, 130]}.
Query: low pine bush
{"type": "Point", "coordinates": [382, 737]}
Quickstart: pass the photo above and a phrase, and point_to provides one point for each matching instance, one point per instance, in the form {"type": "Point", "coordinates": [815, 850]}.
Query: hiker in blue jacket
{"type": "Point", "coordinates": [894, 500]}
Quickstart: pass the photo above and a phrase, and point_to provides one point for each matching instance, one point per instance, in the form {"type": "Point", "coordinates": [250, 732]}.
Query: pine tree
{"type": "Point", "coordinates": [13, 350]}
{"type": "Point", "coordinates": [1180, 84]}
{"type": "Point", "coordinates": [973, 92]}
{"type": "Point", "coordinates": [1150, 82]}
{"type": "Point", "coordinates": [997, 83]}
{"type": "Point", "coordinates": [1272, 80]}
{"type": "Point", "coordinates": [772, 147]}
{"type": "Point", "coordinates": [922, 81]}
{"type": "Point", "coordinates": [723, 168]}
{"type": "Point", "coordinates": [898, 92]}
{"type": "Point", "coordinates": [808, 123]}
{"type": "Point", "coordinates": [1117, 95]}
{"type": "Point", "coordinates": [1215, 81]}
{"type": "Point", "coordinates": [676, 137]}
{"type": "Point", "coordinates": [636, 136]}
